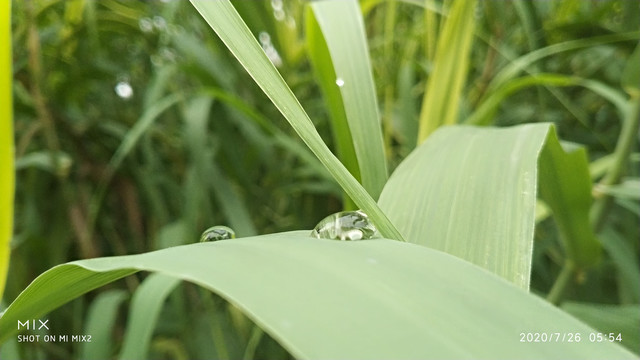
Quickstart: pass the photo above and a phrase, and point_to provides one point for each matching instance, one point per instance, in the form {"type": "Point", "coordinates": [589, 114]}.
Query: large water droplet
{"type": "Point", "coordinates": [346, 226]}
{"type": "Point", "coordinates": [216, 233]}
{"type": "Point", "coordinates": [340, 82]}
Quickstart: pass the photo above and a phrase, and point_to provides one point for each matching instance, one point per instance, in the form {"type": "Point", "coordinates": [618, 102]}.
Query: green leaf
{"type": "Point", "coordinates": [375, 299]}
{"type": "Point", "coordinates": [444, 86]}
{"type": "Point", "coordinates": [100, 320]}
{"type": "Point", "coordinates": [7, 175]}
{"type": "Point", "coordinates": [143, 315]}
{"type": "Point", "coordinates": [523, 62]}
{"type": "Point", "coordinates": [628, 189]}
{"type": "Point", "coordinates": [485, 112]}
{"type": "Point", "coordinates": [196, 116]}
{"type": "Point", "coordinates": [610, 319]}
{"type": "Point", "coordinates": [565, 185]}
{"type": "Point", "coordinates": [343, 29]}
{"type": "Point", "coordinates": [47, 161]}
{"type": "Point", "coordinates": [326, 77]}
{"type": "Point", "coordinates": [226, 22]}
{"type": "Point", "coordinates": [621, 251]}
{"type": "Point", "coordinates": [631, 74]}
{"type": "Point", "coordinates": [471, 192]}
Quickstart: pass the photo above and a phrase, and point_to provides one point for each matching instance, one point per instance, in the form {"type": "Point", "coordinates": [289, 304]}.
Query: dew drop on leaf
{"type": "Point", "coordinates": [216, 233]}
{"type": "Point", "coordinates": [346, 226]}
{"type": "Point", "coordinates": [339, 82]}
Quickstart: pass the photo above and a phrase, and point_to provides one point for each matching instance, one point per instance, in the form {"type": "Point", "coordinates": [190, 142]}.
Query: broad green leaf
{"type": "Point", "coordinates": [375, 299]}
{"type": "Point", "coordinates": [610, 320]}
{"type": "Point", "coordinates": [143, 315]}
{"type": "Point", "coordinates": [343, 29]}
{"type": "Point", "coordinates": [7, 177]}
{"type": "Point", "coordinates": [444, 86]}
{"type": "Point", "coordinates": [471, 192]}
{"type": "Point", "coordinates": [100, 320]}
{"type": "Point", "coordinates": [226, 22]}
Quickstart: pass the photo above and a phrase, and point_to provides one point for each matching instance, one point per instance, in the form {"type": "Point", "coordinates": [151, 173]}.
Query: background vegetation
{"type": "Point", "coordinates": [136, 129]}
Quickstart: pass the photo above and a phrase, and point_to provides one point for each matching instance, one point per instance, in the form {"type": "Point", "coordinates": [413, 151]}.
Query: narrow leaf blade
{"type": "Point", "coordinates": [343, 28]}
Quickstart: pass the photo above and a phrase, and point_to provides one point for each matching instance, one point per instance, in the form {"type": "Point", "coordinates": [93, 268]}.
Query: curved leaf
{"type": "Point", "coordinates": [477, 197]}
{"type": "Point", "coordinates": [376, 299]}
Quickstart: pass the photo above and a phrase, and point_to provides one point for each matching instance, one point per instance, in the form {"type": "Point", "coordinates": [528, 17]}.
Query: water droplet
{"type": "Point", "coordinates": [279, 14]}
{"type": "Point", "coordinates": [345, 225]}
{"type": "Point", "coordinates": [277, 4]}
{"type": "Point", "coordinates": [340, 82]}
{"type": "Point", "coordinates": [145, 24]}
{"type": "Point", "coordinates": [159, 23]}
{"type": "Point", "coordinates": [264, 38]}
{"type": "Point", "coordinates": [216, 233]}
{"type": "Point", "coordinates": [124, 89]}
{"type": "Point", "coordinates": [291, 22]}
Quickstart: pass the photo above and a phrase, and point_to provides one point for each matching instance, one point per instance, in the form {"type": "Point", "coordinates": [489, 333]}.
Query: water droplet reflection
{"type": "Point", "coordinates": [218, 232]}
{"type": "Point", "coordinates": [346, 226]}
{"type": "Point", "coordinates": [340, 82]}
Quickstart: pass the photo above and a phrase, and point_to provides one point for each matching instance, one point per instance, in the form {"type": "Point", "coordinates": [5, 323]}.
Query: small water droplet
{"type": "Point", "coordinates": [159, 23]}
{"type": "Point", "coordinates": [264, 38]}
{"type": "Point", "coordinates": [124, 89]}
{"type": "Point", "coordinates": [277, 4]}
{"type": "Point", "coordinates": [145, 24]}
{"type": "Point", "coordinates": [279, 14]}
{"type": "Point", "coordinates": [345, 226]}
{"type": "Point", "coordinates": [216, 233]}
{"type": "Point", "coordinates": [291, 22]}
{"type": "Point", "coordinates": [340, 82]}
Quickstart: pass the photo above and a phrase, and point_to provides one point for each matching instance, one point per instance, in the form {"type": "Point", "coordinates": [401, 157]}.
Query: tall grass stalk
{"type": "Point", "coordinates": [7, 177]}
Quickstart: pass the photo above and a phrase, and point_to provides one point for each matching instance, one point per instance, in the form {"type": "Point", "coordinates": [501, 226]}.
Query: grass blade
{"type": "Point", "coordinates": [419, 298]}
{"type": "Point", "coordinates": [226, 22]}
{"type": "Point", "coordinates": [326, 76]}
{"type": "Point", "coordinates": [343, 29]}
{"type": "Point", "coordinates": [7, 175]}
{"type": "Point", "coordinates": [100, 321]}
{"type": "Point", "coordinates": [444, 87]}
{"type": "Point", "coordinates": [483, 115]}
{"type": "Point", "coordinates": [521, 63]}
{"type": "Point", "coordinates": [143, 315]}
{"type": "Point", "coordinates": [196, 117]}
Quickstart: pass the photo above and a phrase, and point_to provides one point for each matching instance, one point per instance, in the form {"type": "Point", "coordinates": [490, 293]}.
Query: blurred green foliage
{"type": "Point", "coordinates": [135, 130]}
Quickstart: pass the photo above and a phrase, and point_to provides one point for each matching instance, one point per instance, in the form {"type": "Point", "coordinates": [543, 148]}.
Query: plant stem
{"type": "Point", "coordinates": [626, 142]}
{"type": "Point", "coordinates": [557, 290]}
